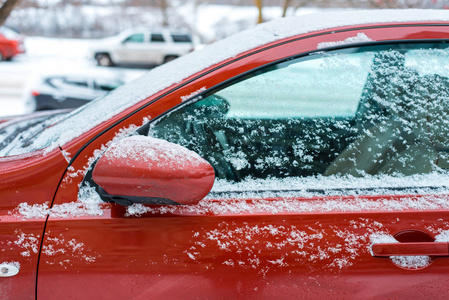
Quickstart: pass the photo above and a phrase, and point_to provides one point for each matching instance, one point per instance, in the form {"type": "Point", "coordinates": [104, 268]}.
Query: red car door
{"type": "Point", "coordinates": [330, 183]}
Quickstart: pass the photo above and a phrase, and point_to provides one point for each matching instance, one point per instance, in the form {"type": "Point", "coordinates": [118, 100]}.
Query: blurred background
{"type": "Point", "coordinates": [56, 54]}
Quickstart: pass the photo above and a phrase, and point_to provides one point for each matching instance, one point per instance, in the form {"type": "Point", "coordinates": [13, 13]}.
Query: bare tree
{"type": "Point", "coordinates": [297, 4]}
{"type": "Point", "coordinates": [164, 5]}
{"type": "Point", "coordinates": [6, 9]}
{"type": "Point", "coordinates": [259, 5]}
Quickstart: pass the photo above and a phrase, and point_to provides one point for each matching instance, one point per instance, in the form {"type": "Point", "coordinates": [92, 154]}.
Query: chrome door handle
{"type": "Point", "coordinates": [411, 249]}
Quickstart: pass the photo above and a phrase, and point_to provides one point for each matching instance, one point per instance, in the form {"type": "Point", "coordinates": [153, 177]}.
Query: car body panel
{"type": "Point", "coordinates": [219, 256]}
{"type": "Point", "coordinates": [216, 253]}
{"type": "Point", "coordinates": [11, 44]}
{"type": "Point", "coordinates": [25, 186]}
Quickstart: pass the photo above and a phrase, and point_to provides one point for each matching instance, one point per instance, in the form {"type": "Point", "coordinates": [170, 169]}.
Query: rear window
{"type": "Point", "coordinates": [181, 38]}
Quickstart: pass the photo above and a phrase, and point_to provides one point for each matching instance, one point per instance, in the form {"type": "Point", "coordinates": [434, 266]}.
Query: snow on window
{"type": "Point", "coordinates": [88, 116]}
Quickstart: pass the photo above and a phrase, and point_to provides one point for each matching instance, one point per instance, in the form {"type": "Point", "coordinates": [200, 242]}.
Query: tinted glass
{"type": "Point", "coordinates": [157, 37]}
{"type": "Point", "coordinates": [181, 38]}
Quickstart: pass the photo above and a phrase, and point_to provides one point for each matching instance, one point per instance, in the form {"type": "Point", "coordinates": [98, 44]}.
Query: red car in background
{"type": "Point", "coordinates": [11, 43]}
{"type": "Point", "coordinates": [305, 158]}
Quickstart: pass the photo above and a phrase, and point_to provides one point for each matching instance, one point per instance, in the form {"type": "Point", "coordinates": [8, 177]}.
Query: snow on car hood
{"type": "Point", "coordinates": [87, 117]}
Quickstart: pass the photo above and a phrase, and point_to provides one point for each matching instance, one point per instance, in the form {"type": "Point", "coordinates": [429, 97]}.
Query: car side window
{"type": "Point", "coordinates": [359, 111]}
{"type": "Point", "coordinates": [135, 38]}
{"type": "Point", "coordinates": [76, 82]}
{"type": "Point", "coordinates": [181, 38]}
{"type": "Point", "coordinates": [157, 37]}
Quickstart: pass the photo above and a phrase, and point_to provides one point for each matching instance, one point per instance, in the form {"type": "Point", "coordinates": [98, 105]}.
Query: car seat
{"type": "Point", "coordinates": [413, 137]}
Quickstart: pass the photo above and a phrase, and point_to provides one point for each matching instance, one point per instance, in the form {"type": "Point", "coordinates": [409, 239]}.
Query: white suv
{"type": "Point", "coordinates": [142, 46]}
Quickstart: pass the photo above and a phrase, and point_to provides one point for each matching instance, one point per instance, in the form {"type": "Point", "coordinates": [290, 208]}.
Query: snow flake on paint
{"type": "Point", "coordinates": [28, 243]}
{"type": "Point", "coordinates": [155, 152]}
{"type": "Point", "coordinates": [359, 38]}
{"type": "Point", "coordinates": [298, 205]}
{"type": "Point", "coordinates": [268, 247]}
{"type": "Point", "coordinates": [121, 134]}
{"type": "Point", "coordinates": [35, 211]}
{"type": "Point", "coordinates": [59, 250]}
{"type": "Point", "coordinates": [184, 98]}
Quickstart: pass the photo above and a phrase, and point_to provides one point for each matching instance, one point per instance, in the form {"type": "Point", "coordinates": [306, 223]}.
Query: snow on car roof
{"type": "Point", "coordinates": [174, 72]}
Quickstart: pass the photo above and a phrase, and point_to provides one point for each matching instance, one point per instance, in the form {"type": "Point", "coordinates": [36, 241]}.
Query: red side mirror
{"type": "Point", "coordinates": [147, 170]}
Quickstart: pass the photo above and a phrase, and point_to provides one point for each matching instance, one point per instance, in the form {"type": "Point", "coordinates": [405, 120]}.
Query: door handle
{"type": "Point", "coordinates": [411, 249]}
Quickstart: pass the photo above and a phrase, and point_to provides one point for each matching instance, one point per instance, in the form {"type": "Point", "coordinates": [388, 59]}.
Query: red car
{"type": "Point", "coordinates": [305, 158]}
{"type": "Point", "coordinates": [11, 44]}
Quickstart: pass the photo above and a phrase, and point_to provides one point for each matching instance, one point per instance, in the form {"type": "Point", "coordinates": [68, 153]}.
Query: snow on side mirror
{"type": "Point", "coordinates": [147, 170]}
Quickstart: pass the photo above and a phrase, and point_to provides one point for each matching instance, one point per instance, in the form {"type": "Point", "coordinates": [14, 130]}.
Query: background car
{"type": "Point", "coordinates": [143, 47]}
{"type": "Point", "coordinates": [305, 158]}
{"type": "Point", "coordinates": [19, 127]}
{"type": "Point", "coordinates": [69, 91]}
{"type": "Point", "coordinates": [11, 43]}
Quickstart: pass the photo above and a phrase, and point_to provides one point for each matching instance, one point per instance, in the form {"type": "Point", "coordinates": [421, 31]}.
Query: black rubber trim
{"type": "Point", "coordinates": [40, 252]}
{"type": "Point", "coordinates": [317, 192]}
{"type": "Point", "coordinates": [130, 200]}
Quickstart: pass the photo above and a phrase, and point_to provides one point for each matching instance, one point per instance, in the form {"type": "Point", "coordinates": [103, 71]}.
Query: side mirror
{"type": "Point", "coordinates": [147, 170]}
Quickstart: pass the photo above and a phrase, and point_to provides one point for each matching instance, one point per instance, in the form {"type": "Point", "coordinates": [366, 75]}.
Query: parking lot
{"type": "Point", "coordinates": [47, 56]}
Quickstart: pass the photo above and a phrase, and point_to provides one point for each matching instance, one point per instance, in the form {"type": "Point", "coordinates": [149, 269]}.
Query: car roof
{"type": "Point", "coordinates": [168, 30]}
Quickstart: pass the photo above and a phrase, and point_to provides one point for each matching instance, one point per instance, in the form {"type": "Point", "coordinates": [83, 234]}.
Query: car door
{"type": "Point", "coordinates": [331, 182]}
{"type": "Point", "coordinates": [133, 49]}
